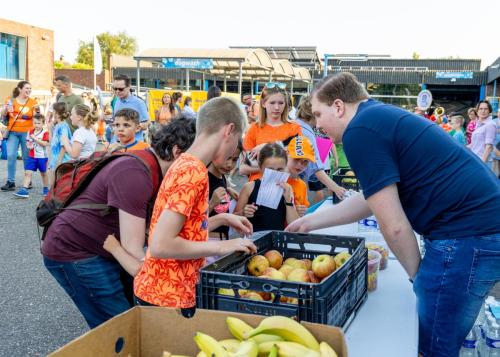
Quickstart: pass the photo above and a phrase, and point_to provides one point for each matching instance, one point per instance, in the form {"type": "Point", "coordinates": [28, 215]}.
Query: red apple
{"type": "Point", "coordinates": [313, 278]}
{"type": "Point", "coordinates": [299, 275]}
{"type": "Point", "coordinates": [257, 265]}
{"type": "Point", "coordinates": [275, 258]}
{"type": "Point", "coordinates": [323, 265]}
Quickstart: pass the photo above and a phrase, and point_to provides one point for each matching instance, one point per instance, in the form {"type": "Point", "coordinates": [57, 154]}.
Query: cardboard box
{"type": "Point", "coordinates": [148, 331]}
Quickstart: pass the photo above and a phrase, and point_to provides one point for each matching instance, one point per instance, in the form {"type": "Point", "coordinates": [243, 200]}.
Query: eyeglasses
{"type": "Point", "coordinates": [119, 89]}
{"type": "Point", "coordinates": [271, 85]}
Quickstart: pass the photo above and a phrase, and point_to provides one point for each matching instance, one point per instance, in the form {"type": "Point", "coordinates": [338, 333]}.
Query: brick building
{"type": "Point", "coordinates": [85, 77]}
{"type": "Point", "coordinates": [26, 53]}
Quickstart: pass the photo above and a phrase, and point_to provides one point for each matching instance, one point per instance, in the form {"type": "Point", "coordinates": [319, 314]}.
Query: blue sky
{"type": "Point", "coordinates": [398, 28]}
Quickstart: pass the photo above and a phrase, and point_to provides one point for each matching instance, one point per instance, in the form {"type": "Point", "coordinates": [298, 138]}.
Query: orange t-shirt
{"type": "Point", "coordinates": [171, 282]}
{"type": "Point", "coordinates": [139, 145]}
{"type": "Point", "coordinates": [24, 121]}
{"type": "Point", "coordinates": [101, 128]}
{"type": "Point", "coordinates": [268, 134]}
{"type": "Point", "coordinates": [299, 188]}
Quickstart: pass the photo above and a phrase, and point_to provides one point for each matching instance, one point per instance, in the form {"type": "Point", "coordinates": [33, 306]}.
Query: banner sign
{"type": "Point", "coordinates": [188, 63]}
{"type": "Point", "coordinates": [456, 75]}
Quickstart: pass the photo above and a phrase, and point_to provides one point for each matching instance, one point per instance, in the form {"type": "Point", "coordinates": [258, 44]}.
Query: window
{"type": "Point", "coordinates": [12, 57]}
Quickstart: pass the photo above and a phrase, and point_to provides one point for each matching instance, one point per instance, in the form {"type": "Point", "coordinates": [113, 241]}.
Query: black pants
{"type": "Point", "coordinates": [187, 312]}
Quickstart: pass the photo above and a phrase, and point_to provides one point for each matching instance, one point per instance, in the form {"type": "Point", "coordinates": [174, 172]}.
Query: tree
{"type": "Point", "coordinates": [120, 44]}
{"type": "Point", "coordinates": [415, 56]}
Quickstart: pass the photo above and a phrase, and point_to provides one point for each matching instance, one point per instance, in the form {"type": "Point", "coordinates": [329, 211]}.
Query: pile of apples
{"type": "Point", "coordinates": [272, 265]}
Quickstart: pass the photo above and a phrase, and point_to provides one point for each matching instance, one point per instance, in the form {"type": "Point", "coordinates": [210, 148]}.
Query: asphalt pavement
{"type": "Point", "coordinates": [36, 315]}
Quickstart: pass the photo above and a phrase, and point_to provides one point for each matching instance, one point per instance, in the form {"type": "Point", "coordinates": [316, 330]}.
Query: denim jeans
{"type": "Point", "coordinates": [13, 142]}
{"type": "Point", "coordinates": [452, 281]}
{"type": "Point", "coordinates": [94, 286]}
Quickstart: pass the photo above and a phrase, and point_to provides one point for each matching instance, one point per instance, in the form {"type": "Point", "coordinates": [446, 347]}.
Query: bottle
{"type": "Point", "coordinates": [372, 224]}
{"type": "Point", "coordinates": [361, 226]}
{"type": "Point", "coordinates": [469, 346]}
{"type": "Point", "coordinates": [493, 341]}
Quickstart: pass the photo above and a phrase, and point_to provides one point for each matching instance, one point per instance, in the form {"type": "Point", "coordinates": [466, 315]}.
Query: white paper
{"type": "Point", "coordinates": [270, 192]}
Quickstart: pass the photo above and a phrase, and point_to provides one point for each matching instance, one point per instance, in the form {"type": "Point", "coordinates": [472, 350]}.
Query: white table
{"type": "Point", "coordinates": [387, 324]}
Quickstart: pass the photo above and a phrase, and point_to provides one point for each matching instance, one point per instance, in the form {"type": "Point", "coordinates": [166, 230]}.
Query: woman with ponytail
{"type": "Point", "coordinates": [84, 138]}
{"type": "Point", "coordinates": [61, 129]}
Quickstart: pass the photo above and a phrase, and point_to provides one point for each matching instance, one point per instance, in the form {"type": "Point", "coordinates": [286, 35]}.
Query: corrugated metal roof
{"type": "Point", "coordinates": [494, 70]}
{"type": "Point", "coordinates": [431, 64]}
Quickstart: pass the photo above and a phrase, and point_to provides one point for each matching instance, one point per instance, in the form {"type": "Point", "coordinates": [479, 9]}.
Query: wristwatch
{"type": "Point", "coordinates": [289, 203]}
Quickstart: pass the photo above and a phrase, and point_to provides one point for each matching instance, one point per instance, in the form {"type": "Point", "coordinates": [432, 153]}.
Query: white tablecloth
{"type": "Point", "coordinates": [387, 324]}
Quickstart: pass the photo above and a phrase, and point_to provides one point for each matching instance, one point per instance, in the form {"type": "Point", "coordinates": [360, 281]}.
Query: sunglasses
{"type": "Point", "coordinates": [271, 85]}
{"type": "Point", "coordinates": [119, 89]}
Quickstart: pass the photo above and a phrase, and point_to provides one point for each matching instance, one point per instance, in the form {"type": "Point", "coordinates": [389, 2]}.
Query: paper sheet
{"type": "Point", "coordinates": [270, 192]}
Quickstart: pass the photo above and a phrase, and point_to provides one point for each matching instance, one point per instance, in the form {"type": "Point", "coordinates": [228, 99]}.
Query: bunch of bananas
{"type": "Point", "coordinates": [276, 336]}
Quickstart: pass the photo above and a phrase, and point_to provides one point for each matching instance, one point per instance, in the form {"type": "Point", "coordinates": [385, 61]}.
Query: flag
{"type": "Point", "coordinates": [97, 57]}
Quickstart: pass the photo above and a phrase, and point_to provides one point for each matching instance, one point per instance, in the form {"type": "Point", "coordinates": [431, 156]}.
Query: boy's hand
{"type": "Point", "coordinates": [239, 223]}
{"type": "Point", "coordinates": [236, 245]}
{"type": "Point", "coordinates": [234, 195]}
{"type": "Point", "coordinates": [249, 210]}
{"type": "Point", "coordinates": [287, 191]}
{"type": "Point", "coordinates": [301, 210]}
{"type": "Point", "coordinates": [111, 244]}
{"type": "Point", "coordinates": [218, 196]}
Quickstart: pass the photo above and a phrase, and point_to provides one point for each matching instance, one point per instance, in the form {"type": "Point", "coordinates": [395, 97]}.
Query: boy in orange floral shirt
{"type": "Point", "coordinates": [178, 236]}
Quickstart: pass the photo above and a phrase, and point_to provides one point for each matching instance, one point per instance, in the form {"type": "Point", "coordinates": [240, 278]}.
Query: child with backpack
{"type": "Point", "coordinates": [274, 157]}
{"type": "Point", "coordinates": [84, 140]}
{"type": "Point", "coordinates": [125, 127]}
{"type": "Point", "coordinates": [37, 142]}
{"type": "Point", "coordinates": [178, 235]}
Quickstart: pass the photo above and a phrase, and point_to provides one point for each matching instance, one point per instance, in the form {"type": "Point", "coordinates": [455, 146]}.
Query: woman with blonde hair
{"type": "Point", "coordinates": [273, 125]}
{"type": "Point", "coordinates": [167, 111]}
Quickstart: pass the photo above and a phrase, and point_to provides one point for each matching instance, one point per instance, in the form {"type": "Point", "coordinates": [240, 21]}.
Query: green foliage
{"type": "Point", "coordinates": [415, 55]}
{"type": "Point", "coordinates": [59, 64]}
{"type": "Point", "coordinates": [81, 66]}
{"type": "Point", "coordinates": [120, 44]}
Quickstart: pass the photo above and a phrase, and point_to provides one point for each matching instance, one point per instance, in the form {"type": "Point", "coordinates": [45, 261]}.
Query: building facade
{"type": "Point", "coordinates": [26, 53]}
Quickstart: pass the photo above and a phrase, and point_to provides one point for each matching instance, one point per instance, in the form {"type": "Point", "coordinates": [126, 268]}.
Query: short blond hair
{"type": "Point", "coordinates": [304, 112]}
{"type": "Point", "coordinates": [459, 119]}
{"type": "Point", "coordinates": [344, 86]}
{"type": "Point", "coordinates": [218, 112]}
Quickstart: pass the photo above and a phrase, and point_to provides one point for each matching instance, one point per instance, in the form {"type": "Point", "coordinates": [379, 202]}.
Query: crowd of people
{"type": "Point", "coordinates": [150, 254]}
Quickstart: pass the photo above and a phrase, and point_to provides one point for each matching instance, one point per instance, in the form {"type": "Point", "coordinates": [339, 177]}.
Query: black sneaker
{"type": "Point", "coordinates": [9, 186]}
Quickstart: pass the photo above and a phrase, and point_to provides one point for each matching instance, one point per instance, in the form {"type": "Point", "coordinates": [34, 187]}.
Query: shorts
{"type": "Point", "coordinates": [36, 164]}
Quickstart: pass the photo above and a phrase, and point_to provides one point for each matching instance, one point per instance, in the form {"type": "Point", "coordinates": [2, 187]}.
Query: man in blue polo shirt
{"type": "Point", "coordinates": [416, 177]}
{"type": "Point", "coordinates": [121, 87]}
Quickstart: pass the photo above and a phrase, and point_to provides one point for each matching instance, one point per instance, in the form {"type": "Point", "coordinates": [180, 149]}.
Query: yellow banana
{"type": "Point", "coordinates": [274, 351]}
{"type": "Point", "coordinates": [201, 354]}
{"type": "Point", "coordinates": [247, 349]}
{"type": "Point", "coordinates": [265, 338]}
{"type": "Point", "coordinates": [288, 329]}
{"type": "Point", "coordinates": [326, 350]}
{"type": "Point", "coordinates": [287, 349]}
{"type": "Point", "coordinates": [238, 327]}
{"type": "Point", "coordinates": [230, 345]}
{"type": "Point", "coordinates": [209, 345]}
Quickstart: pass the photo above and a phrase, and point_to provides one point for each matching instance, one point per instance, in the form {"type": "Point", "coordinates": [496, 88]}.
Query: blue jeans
{"type": "Point", "coordinates": [452, 281]}
{"type": "Point", "coordinates": [94, 286]}
{"type": "Point", "coordinates": [13, 142]}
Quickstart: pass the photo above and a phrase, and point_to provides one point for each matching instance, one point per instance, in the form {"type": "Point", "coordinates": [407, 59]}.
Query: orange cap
{"type": "Point", "coordinates": [301, 148]}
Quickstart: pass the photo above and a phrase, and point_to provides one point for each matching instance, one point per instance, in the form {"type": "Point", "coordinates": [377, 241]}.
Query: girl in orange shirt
{"type": "Point", "coordinates": [273, 125]}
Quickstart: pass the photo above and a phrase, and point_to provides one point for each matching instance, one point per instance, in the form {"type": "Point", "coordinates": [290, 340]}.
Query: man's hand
{"type": "Point", "coordinates": [239, 223]}
{"type": "Point", "coordinates": [236, 245]}
{"type": "Point", "coordinates": [249, 210]}
{"type": "Point", "coordinates": [111, 244]}
{"type": "Point", "coordinates": [301, 225]}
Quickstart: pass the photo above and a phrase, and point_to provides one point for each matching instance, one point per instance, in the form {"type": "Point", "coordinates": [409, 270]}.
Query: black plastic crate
{"type": "Point", "coordinates": [332, 301]}
{"type": "Point", "coordinates": [345, 181]}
